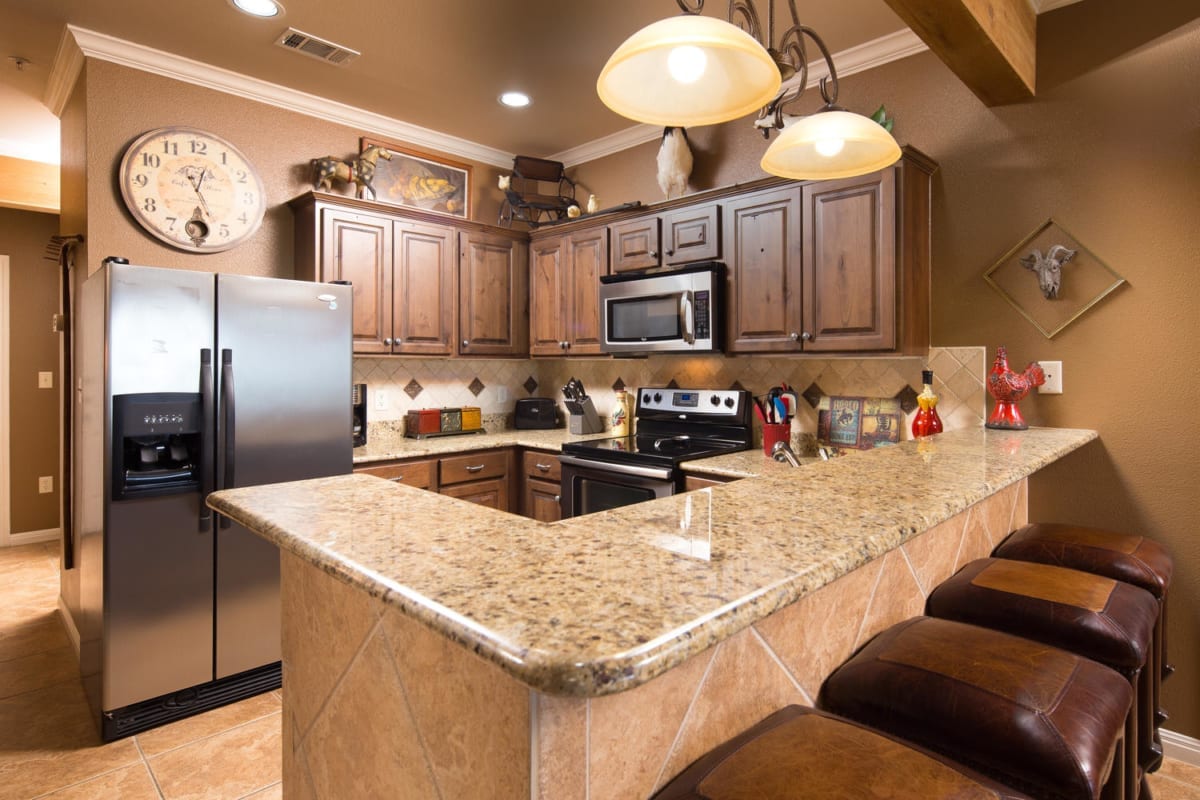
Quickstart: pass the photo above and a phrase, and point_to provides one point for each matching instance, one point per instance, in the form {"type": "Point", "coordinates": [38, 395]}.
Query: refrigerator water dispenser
{"type": "Point", "coordinates": [156, 444]}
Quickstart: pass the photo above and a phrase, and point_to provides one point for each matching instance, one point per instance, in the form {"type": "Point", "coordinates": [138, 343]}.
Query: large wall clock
{"type": "Point", "coordinates": [191, 189]}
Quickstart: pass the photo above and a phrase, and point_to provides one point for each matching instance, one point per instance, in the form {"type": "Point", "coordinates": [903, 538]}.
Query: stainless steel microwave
{"type": "Point", "coordinates": [676, 310]}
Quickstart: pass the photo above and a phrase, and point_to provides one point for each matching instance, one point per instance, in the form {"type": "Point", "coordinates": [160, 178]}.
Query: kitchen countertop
{"type": "Point", "coordinates": [602, 603]}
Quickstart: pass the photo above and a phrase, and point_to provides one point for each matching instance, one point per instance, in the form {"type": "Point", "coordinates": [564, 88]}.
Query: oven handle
{"type": "Point", "coordinates": [661, 473]}
{"type": "Point", "coordinates": [687, 322]}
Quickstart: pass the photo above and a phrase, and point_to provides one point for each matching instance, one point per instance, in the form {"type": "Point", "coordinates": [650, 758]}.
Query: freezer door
{"type": "Point", "coordinates": [156, 584]}
{"type": "Point", "coordinates": [283, 414]}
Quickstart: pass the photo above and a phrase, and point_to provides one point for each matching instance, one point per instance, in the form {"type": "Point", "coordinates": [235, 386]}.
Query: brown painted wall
{"type": "Point", "coordinates": [1111, 150]}
{"type": "Point", "coordinates": [124, 103]}
{"type": "Point", "coordinates": [33, 413]}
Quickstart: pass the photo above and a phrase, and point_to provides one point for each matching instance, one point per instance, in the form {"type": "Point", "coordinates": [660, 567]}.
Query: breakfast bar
{"type": "Point", "coordinates": [435, 648]}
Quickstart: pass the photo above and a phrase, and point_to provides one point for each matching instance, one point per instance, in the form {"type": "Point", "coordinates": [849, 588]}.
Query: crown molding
{"type": "Point", "coordinates": [875, 53]}
{"type": "Point", "coordinates": [147, 59]}
{"type": "Point", "coordinates": [64, 72]}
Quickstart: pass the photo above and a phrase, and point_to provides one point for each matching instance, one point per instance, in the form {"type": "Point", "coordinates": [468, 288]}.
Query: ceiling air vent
{"type": "Point", "coordinates": [310, 45]}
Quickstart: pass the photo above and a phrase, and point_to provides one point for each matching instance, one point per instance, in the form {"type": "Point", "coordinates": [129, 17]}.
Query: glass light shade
{"type": "Point", "coordinates": [258, 8]}
{"type": "Point", "coordinates": [737, 76]}
{"type": "Point", "coordinates": [799, 151]}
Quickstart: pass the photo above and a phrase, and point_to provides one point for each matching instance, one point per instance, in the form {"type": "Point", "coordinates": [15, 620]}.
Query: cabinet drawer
{"type": "Point", "coordinates": [490, 493]}
{"type": "Point", "coordinates": [473, 467]}
{"type": "Point", "coordinates": [419, 474]}
{"type": "Point", "coordinates": [542, 466]}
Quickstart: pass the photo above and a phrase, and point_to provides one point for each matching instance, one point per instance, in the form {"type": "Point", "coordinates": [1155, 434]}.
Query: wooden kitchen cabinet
{"type": "Point", "coordinates": [678, 236]}
{"type": "Point", "coordinates": [565, 272]}
{"type": "Point", "coordinates": [419, 473]}
{"type": "Point", "coordinates": [541, 475]}
{"type": "Point", "coordinates": [423, 289]}
{"type": "Point", "coordinates": [356, 246]}
{"type": "Point", "coordinates": [479, 477]}
{"type": "Point", "coordinates": [693, 482]}
{"type": "Point", "coordinates": [493, 295]}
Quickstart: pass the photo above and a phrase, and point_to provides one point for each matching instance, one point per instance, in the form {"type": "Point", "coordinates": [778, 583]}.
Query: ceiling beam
{"type": "Point", "coordinates": [28, 185]}
{"type": "Point", "coordinates": [989, 44]}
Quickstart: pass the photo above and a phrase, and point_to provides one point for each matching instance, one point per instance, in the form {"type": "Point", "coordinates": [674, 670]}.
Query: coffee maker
{"type": "Point", "coordinates": [358, 426]}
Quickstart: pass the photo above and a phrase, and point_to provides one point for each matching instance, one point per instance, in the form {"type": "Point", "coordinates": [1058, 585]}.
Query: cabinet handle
{"type": "Point", "coordinates": [473, 468]}
{"type": "Point", "coordinates": [543, 467]}
{"type": "Point", "coordinates": [397, 479]}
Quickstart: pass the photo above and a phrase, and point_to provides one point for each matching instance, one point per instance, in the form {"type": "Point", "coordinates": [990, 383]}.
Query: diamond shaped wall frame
{"type": "Point", "coordinates": [1085, 281]}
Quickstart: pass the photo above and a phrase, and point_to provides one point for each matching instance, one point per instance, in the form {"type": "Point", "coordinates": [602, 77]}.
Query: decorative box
{"type": "Point", "coordinates": [422, 421]}
{"type": "Point", "coordinates": [451, 420]}
{"type": "Point", "coordinates": [472, 418]}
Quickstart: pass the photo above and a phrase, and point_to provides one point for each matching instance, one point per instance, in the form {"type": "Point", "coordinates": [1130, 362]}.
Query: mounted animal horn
{"type": "Point", "coordinates": [1048, 268]}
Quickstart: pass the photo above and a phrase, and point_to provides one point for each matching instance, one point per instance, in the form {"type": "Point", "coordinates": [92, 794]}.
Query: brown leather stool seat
{"type": "Point", "coordinates": [1034, 717]}
{"type": "Point", "coordinates": [800, 753]}
{"type": "Point", "coordinates": [1096, 617]}
{"type": "Point", "coordinates": [1124, 557]}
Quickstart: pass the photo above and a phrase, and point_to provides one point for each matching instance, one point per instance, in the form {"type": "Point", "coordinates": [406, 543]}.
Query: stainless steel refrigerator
{"type": "Point", "coordinates": [208, 382]}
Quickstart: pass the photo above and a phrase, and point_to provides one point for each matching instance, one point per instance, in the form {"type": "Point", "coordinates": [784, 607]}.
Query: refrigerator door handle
{"type": "Point", "coordinates": [228, 423]}
{"type": "Point", "coordinates": [206, 437]}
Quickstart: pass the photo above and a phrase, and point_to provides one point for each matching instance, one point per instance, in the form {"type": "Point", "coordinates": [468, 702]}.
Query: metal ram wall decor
{"type": "Point", "coordinates": [1052, 279]}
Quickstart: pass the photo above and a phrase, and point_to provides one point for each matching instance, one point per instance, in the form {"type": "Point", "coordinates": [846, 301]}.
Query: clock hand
{"type": "Point", "coordinates": [196, 183]}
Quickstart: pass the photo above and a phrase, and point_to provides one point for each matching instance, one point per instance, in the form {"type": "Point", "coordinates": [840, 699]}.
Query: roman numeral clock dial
{"type": "Point", "coordinates": [191, 189]}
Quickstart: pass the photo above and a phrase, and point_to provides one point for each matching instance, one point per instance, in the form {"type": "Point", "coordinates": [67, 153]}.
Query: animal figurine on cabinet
{"type": "Point", "coordinates": [674, 162]}
{"type": "Point", "coordinates": [1048, 268]}
{"type": "Point", "coordinates": [359, 171]}
{"type": "Point", "coordinates": [505, 182]}
{"type": "Point", "coordinates": [593, 205]}
{"type": "Point", "coordinates": [1007, 388]}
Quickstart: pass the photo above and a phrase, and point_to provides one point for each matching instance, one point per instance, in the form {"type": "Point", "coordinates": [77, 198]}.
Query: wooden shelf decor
{"type": "Point", "coordinates": [1083, 279]}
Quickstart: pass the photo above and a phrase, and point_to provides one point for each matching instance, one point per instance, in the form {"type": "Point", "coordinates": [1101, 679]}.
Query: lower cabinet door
{"type": "Point", "coordinates": [541, 500]}
{"type": "Point", "coordinates": [491, 493]}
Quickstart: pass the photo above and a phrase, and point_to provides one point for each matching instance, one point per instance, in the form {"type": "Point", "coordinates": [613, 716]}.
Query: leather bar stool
{"type": "Point", "coordinates": [1120, 556]}
{"type": "Point", "coordinates": [1037, 718]}
{"type": "Point", "coordinates": [1090, 615]}
{"type": "Point", "coordinates": [800, 753]}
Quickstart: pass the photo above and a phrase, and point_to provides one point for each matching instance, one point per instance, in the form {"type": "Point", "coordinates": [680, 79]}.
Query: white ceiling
{"type": "Point", "coordinates": [437, 64]}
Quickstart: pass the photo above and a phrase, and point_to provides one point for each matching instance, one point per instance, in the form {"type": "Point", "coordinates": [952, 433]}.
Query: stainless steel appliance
{"type": "Point", "coordinates": [358, 407]}
{"type": "Point", "coordinates": [195, 381]}
{"type": "Point", "coordinates": [673, 425]}
{"type": "Point", "coordinates": [676, 310]}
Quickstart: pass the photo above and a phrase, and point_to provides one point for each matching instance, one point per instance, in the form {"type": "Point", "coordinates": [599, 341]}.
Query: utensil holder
{"type": "Point", "coordinates": [776, 432]}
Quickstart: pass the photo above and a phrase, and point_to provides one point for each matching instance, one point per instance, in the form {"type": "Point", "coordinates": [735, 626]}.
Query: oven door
{"type": "Point", "coordinates": [589, 486]}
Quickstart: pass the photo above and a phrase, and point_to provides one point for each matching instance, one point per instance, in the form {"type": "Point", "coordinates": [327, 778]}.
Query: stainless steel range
{"type": "Point", "coordinates": [673, 426]}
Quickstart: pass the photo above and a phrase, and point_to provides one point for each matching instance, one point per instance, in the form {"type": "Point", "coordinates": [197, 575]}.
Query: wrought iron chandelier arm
{"type": "Point", "coordinates": [687, 8]}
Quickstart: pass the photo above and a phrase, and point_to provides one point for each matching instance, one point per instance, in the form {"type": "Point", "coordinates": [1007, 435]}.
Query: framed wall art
{"type": "Point", "coordinates": [1051, 278]}
{"type": "Point", "coordinates": [418, 180]}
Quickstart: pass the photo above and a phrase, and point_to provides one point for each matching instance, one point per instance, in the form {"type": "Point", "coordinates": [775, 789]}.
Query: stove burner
{"type": "Point", "coordinates": [678, 443]}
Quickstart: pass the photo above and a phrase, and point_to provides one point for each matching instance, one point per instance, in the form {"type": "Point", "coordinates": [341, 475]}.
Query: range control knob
{"type": "Point", "coordinates": [716, 401]}
{"type": "Point", "coordinates": [729, 402]}
{"type": "Point", "coordinates": [658, 397]}
{"type": "Point", "coordinates": [646, 397]}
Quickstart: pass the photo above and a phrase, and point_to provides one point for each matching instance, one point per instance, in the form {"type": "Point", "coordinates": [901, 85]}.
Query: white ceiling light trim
{"type": "Point", "coordinates": [875, 53]}
{"type": "Point", "coordinates": [118, 51]}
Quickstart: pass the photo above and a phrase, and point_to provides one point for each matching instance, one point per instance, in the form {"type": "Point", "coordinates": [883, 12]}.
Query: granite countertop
{"type": "Point", "coordinates": [605, 602]}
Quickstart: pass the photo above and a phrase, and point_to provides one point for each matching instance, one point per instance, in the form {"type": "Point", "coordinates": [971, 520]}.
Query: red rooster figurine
{"type": "Point", "coordinates": [1007, 388]}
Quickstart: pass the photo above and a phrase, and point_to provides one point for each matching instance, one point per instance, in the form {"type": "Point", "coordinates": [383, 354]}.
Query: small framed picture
{"type": "Point", "coordinates": [418, 180]}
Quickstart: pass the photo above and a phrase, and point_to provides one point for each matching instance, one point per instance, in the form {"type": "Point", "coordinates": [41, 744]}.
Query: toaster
{"type": "Point", "coordinates": [536, 413]}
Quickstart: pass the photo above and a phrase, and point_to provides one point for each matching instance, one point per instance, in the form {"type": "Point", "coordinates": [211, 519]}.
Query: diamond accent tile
{"type": "Point", "coordinates": [530, 385]}
{"type": "Point", "coordinates": [618, 384]}
{"type": "Point", "coordinates": [813, 394]}
{"type": "Point", "coordinates": [412, 389]}
{"type": "Point", "coordinates": [908, 399]}
{"type": "Point", "coordinates": [671, 384]}
{"type": "Point", "coordinates": [737, 386]}
{"type": "Point", "coordinates": [476, 386]}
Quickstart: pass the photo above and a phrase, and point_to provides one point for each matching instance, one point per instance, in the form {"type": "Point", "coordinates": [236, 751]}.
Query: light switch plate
{"type": "Point", "coordinates": [46, 484]}
{"type": "Point", "coordinates": [45, 380]}
{"type": "Point", "coordinates": [1054, 382]}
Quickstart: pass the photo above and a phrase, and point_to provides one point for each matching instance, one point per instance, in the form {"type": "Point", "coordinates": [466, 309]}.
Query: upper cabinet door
{"type": "Point", "coordinates": [357, 247]}
{"type": "Point", "coordinates": [692, 234]}
{"type": "Point", "coordinates": [763, 281]}
{"type": "Point", "coordinates": [587, 260]}
{"type": "Point", "coordinates": [635, 244]}
{"type": "Point", "coordinates": [493, 296]}
{"type": "Point", "coordinates": [547, 289]}
{"type": "Point", "coordinates": [850, 263]}
{"type": "Point", "coordinates": [424, 289]}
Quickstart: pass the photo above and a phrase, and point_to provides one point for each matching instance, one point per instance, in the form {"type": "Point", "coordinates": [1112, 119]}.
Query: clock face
{"type": "Point", "coordinates": [191, 189]}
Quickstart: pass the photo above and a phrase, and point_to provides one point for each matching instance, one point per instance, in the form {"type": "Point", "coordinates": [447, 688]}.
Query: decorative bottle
{"type": "Point", "coordinates": [926, 422]}
{"type": "Point", "coordinates": [620, 414]}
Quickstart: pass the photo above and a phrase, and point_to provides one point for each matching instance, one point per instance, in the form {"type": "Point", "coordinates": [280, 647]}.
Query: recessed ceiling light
{"type": "Point", "coordinates": [515, 99]}
{"type": "Point", "coordinates": [258, 8]}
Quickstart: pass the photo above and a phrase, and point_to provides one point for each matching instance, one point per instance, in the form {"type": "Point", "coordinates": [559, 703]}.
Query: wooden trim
{"type": "Point", "coordinates": [5, 444]}
{"type": "Point", "coordinates": [314, 198]}
{"type": "Point", "coordinates": [29, 185]}
{"type": "Point", "coordinates": [991, 45]}
{"type": "Point", "coordinates": [1180, 747]}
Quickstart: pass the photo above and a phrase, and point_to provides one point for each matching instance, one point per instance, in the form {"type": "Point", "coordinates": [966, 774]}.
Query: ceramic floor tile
{"type": "Point", "coordinates": [37, 671]}
{"type": "Point", "coordinates": [128, 783]}
{"type": "Point", "coordinates": [48, 740]}
{"type": "Point", "coordinates": [273, 792]}
{"type": "Point", "coordinates": [185, 731]}
{"type": "Point", "coordinates": [228, 765]}
{"type": "Point", "coordinates": [35, 634]}
{"type": "Point", "coordinates": [1176, 770]}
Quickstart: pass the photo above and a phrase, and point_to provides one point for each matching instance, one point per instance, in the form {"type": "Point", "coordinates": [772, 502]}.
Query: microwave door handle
{"type": "Point", "coordinates": [687, 322]}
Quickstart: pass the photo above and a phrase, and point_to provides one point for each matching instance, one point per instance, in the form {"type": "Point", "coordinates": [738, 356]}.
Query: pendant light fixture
{"type": "Point", "coordinates": [693, 70]}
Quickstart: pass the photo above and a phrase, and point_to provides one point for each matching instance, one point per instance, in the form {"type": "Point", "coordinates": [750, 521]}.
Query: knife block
{"type": "Point", "coordinates": [583, 417]}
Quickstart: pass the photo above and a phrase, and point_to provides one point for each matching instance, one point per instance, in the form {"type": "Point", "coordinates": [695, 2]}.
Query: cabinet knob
{"type": "Point", "coordinates": [558, 498]}
{"type": "Point", "coordinates": [397, 340]}
{"type": "Point", "coordinates": [465, 344]}
{"type": "Point", "coordinates": [794, 336]}
{"type": "Point", "coordinates": [670, 252]}
{"type": "Point", "coordinates": [654, 254]}
{"type": "Point", "coordinates": [806, 336]}
{"type": "Point", "coordinates": [388, 342]}
{"type": "Point", "coordinates": [562, 345]}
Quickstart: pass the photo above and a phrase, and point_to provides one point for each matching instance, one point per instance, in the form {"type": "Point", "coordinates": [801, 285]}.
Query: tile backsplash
{"type": "Point", "coordinates": [494, 385]}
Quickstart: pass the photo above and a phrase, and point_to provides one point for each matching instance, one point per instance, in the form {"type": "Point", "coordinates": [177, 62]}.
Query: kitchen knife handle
{"type": "Point", "coordinates": [230, 419]}
{"type": "Point", "coordinates": [206, 437]}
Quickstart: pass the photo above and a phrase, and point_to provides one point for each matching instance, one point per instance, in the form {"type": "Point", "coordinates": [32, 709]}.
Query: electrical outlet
{"type": "Point", "coordinates": [46, 484]}
{"type": "Point", "coordinates": [45, 380]}
{"type": "Point", "coordinates": [501, 394]}
{"type": "Point", "coordinates": [1054, 380]}
{"type": "Point", "coordinates": [380, 400]}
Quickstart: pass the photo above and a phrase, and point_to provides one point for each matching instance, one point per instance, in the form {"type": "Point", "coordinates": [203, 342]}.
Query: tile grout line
{"type": "Point", "coordinates": [149, 769]}
{"type": "Point", "coordinates": [84, 780]}
{"type": "Point", "coordinates": [381, 631]}
{"type": "Point", "coordinates": [208, 736]}
{"type": "Point", "coordinates": [712, 659]}
{"type": "Point", "coordinates": [779, 662]}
